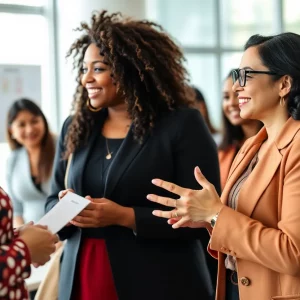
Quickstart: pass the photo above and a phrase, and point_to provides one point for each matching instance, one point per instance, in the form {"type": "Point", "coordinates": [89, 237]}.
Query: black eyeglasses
{"type": "Point", "coordinates": [241, 75]}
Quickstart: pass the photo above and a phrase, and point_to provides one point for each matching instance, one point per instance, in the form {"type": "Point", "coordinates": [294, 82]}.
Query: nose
{"type": "Point", "coordinates": [236, 87]}
{"type": "Point", "coordinates": [87, 77]}
{"type": "Point", "coordinates": [29, 128]}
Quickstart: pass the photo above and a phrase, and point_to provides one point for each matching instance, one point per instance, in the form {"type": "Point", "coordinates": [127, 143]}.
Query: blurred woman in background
{"type": "Point", "coordinates": [235, 129]}
{"type": "Point", "coordinates": [29, 165]}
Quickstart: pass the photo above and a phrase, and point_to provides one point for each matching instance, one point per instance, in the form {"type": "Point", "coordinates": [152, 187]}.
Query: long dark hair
{"type": "Point", "coordinates": [281, 55]}
{"type": "Point", "coordinates": [200, 99]}
{"type": "Point", "coordinates": [147, 68]}
{"type": "Point", "coordinates": [47, 143]}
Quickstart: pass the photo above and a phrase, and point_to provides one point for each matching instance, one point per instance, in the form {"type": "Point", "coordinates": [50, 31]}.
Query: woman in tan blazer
{"type": "Point", "coordinates": [255, 226]}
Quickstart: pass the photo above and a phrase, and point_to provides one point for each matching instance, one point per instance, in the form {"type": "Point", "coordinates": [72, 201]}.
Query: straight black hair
{"type": "Point", "coordinates": [281, 54]}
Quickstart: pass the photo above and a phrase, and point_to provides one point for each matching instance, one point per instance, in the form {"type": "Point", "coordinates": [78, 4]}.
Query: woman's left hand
{"type": "Point", "coordinates": [100, 212]}
{"type": "Point", "coordinates": [192, 206]}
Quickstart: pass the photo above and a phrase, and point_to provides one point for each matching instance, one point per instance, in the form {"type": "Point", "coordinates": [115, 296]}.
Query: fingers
{"type": "Point", "coordinates": [41, 226]}
{"type": "Point", "coordinates": [162, 200]}
{"type": "Point", "coordinates": [86, 213]}
{"type": "Point", "coordinates": [56, 238]}
{"type": "Point", "coordinates": [83, 225]}
{"type": "Point", "coordinates": [201, 179]}
{"type": "Point", "coordinates": [82, 220]}
{"type": "Point", "coordinates": [62, 193]}
{"type": "Point", "coordinates": [173, 221]}
{"type": "Point", "coordinates": [165, 214]}
{"type": "Point", "coordinates": [169, 186]}
{"type": "Point", "coordinates": [180, 223]}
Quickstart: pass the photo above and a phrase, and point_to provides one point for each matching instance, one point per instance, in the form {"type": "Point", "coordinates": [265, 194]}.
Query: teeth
{"type": "Point", "coordinates": [243, 100]}
{"type": "Point", "coordinates": [92, 91]}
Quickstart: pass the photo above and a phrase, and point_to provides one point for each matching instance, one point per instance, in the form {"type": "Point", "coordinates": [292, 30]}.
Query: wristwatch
{"type": "Point", "coordinates": [214, 220]}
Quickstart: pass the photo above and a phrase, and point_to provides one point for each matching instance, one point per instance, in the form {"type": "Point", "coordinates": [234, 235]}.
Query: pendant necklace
{"type": "Point", "coordinates": [109, 154]}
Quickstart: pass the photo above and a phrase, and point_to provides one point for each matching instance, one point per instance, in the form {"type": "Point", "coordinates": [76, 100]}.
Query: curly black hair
{"type": "Point", "coordinates": [147, 68]}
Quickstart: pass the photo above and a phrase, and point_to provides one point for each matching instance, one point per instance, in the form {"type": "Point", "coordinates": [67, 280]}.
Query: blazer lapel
{"type": "Point", "coordinates": [258, 180]}
{"type": "Point", "coordinates": [241, 162]}
{"type": "Point", "coordinates": [263, 173]}
{"type": "Point", "coordinates": [239, 165]}
{"type": "Point", "coordinates": [80, 156]}
{"type": "Point", "coordinates": [126, 154]}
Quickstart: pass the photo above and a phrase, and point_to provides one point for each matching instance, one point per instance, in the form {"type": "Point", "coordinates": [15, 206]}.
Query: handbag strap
{"type": "Point", "coordinates": [67, 170]}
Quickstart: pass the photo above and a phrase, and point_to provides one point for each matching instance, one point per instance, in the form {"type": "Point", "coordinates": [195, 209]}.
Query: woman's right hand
{"type": "Point", "coordinates": [40, 242]}
{"type": "Point", "coordinates": [61, 194]}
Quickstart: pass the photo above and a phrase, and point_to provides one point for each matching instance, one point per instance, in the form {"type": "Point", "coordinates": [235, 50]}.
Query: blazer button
{"type": "Point", "coordinates": [245, 281]}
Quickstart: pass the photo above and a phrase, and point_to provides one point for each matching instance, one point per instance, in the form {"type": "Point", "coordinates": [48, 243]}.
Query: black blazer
{"type": "Point", "coordinates": [157, 262]}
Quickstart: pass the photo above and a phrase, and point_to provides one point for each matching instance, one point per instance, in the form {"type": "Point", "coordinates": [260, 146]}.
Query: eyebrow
{"type": "Point", "coordinates": [96, 61]}
{"type": "Point", "coordinates": [247, 68]}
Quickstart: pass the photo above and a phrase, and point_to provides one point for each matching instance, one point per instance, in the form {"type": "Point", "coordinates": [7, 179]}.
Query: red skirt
{"type": "Point", "coordinates": [93, 278]}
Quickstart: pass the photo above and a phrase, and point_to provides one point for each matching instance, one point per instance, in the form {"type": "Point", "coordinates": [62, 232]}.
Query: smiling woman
{"type": "Point", "coordinates": [29, 165]}
{"type": "Point", "coordinates": [255, 225]}
{"type": "Point", "coordinates": [131, 122]}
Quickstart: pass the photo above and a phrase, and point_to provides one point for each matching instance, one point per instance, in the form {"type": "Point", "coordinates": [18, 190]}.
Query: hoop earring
{"type": "Point", "coordinates": [282, 102]}
{"type": "Point", "coordinates": [90, 107]}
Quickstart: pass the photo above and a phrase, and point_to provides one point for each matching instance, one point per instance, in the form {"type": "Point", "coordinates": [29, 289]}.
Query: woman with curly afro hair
{"type": "Point", "coordinates": [131, 123]}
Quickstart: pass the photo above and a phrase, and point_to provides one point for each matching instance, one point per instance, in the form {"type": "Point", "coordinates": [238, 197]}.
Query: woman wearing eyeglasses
{"type": "Point", "coordinates": [255, 225]}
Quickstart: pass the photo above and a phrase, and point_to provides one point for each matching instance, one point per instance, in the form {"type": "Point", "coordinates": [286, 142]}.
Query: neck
{"type": "Point", "coordinates": [33, 150]}
{"type": "Point", "coordinates": [274, 125]}
{"type": "Point", "coordinates": [250, 128]}
{"type": "Point", "coordinates": [118, 113]}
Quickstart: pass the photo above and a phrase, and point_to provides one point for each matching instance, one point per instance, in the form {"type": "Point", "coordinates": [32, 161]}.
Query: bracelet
{"type": "Point", "coordinates": [213, 221]}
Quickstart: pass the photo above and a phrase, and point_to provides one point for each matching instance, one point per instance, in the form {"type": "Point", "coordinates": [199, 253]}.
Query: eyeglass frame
{"type": "Point", "coordinates": [235, 75]}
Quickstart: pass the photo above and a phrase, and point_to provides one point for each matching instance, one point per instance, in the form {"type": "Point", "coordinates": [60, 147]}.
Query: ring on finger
{"type": "Point", "coordinates": [175, 214]}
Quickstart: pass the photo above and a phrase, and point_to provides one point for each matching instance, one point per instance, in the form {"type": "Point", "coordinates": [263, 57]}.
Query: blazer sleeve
{"type": "Point", "coordinates": [193, 147]}
{"type": "Point", "coordinates": [275, 248]}
{"type": "Point", "coordinates": [17, 204]}
{"type": "Point", "coordinates": [58, 177]}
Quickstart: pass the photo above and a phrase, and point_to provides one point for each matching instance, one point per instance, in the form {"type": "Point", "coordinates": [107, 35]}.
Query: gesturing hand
{"type": "Point", "coordinates": [100, 212]}
{"type": "Point", "coordinates": [192, 206]}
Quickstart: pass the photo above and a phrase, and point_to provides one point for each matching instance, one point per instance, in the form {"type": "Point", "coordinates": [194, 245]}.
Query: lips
{"type": "Point", "coordinates": [243, 101]}
{"type": "Point", "coordinates": [93, 92]}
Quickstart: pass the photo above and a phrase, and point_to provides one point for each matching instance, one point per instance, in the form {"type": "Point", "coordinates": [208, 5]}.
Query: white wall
{"type": "Point", "coordinates": [69, 14]}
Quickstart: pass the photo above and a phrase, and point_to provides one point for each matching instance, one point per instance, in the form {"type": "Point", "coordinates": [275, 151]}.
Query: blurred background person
{"type": "Point", "coordinates": [200, 104]}
{"type": "Point", "coordinates": [29, 165]}
{"type": "Point", "coordinates": [235, 129]}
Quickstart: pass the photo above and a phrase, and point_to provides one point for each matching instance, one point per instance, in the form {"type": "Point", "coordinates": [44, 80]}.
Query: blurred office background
{"type": "Point", "coordinates": [38, 33]}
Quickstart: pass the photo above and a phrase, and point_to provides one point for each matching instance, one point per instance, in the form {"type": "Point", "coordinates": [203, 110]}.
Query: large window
{"type": "Point", "coordinates": [25, 40]}
{"type": "Point", "coordinates": [212, 34]}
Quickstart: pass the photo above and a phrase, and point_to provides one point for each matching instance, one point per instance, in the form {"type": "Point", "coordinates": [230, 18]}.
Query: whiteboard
{"type": "Point", "coordinates": [17, 81]}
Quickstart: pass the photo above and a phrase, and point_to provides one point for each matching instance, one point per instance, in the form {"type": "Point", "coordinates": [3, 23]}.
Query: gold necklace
{"type": "Point", "coordinates": [109, 154]}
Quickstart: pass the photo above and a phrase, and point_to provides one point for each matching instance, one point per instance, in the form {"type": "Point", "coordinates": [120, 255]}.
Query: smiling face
{"type": "Point", "coordinates": [259, 98]}
{"type": "Point", "coordinates": [28, 129]}
{"type": "Point", "coordinates": [96, 78]}
{"type": "Point", "coordinates": [230, 104]}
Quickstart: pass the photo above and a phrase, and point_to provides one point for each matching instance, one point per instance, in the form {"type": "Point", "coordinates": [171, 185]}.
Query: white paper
{"type": "Point", "coordinates": [63, 212]}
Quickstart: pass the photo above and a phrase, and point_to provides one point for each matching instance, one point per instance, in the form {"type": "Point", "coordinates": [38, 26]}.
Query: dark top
{"type": "Point", "coordinates": [156, 261]}
{"type": "Point", "coordinates": [94, 182]}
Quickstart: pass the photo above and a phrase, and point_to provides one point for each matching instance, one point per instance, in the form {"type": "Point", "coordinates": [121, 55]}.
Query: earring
{"type": "Point", "coordinates": [90, 107]}
{"type": "Point", "coordinates": [282, 102]}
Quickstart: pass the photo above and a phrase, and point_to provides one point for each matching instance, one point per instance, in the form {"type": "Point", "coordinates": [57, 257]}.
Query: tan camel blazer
{"type": "Point", "coordinates": [264, 232]}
